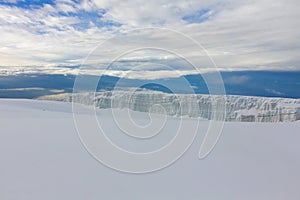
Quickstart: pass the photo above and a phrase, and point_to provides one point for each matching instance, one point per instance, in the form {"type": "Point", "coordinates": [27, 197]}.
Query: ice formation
{"type": "Point", "coordinates": [228, 108]}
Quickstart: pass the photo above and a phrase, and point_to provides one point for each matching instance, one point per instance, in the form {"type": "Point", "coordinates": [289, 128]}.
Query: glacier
{"type": "Point", "coordinates": [203, 106]}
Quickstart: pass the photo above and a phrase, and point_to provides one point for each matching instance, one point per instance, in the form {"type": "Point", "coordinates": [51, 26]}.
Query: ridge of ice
{"type": "Point", "coordinates": [238, 108]}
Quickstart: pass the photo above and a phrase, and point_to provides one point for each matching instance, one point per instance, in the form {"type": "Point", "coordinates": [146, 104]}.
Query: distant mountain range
{"type": "Point", "coordinates": [247, 83]}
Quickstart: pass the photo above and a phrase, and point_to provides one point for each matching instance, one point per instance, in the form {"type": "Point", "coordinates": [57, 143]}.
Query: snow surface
{"type": "Point", "coordinates": [42, 158]}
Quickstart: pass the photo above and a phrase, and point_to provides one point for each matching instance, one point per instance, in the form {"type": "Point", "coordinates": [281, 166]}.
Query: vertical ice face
{"type": "Point", "coordinates": [238, 108]}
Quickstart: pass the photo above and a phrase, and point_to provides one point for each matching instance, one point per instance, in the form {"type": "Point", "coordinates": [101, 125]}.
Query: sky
{"type": "Point", "coordinates": [56, 36]}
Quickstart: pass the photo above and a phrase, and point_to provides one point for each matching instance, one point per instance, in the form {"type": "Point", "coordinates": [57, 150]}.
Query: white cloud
{"type": "Point", "coordinates": [236, 80]}
{"type": "Point", "coordinates": [252, 34]}
{"type": "Point", "coordinates": [272, 91]}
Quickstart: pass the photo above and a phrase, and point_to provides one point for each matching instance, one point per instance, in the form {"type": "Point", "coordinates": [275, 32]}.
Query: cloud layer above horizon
{"type": "Point", "coordinates": [237, 35]}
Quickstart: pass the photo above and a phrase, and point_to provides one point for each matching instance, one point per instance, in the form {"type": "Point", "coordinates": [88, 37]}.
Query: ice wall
{"type": "Point", "coordinates": [237, 108]}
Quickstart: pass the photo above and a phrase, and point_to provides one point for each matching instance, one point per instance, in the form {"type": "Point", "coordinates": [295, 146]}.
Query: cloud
{"type": "Point", "coordinates": [272, 91]}
{"type": "Point", "coordinates": [238, 35]}
{"type": "Point", "coordinates": [236, 80]}
{"type": "Point", "coordinates": [69, 70]}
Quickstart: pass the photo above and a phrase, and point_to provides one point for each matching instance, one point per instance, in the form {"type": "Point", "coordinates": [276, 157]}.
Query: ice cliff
{"type": "Point", "coordinates": [230, 108]}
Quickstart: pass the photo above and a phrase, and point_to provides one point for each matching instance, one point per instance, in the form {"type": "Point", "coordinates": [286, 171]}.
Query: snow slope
{"type": "Point", "coordinates": [42, 158]}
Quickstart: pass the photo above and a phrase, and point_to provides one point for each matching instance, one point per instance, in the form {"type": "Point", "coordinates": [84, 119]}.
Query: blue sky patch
{"type": "Point", "coordinates": [87, 17]}
{"type": "Point", "coordinates": [198, 17]}
{"type": "Point", "coordinates": [28, 4]}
